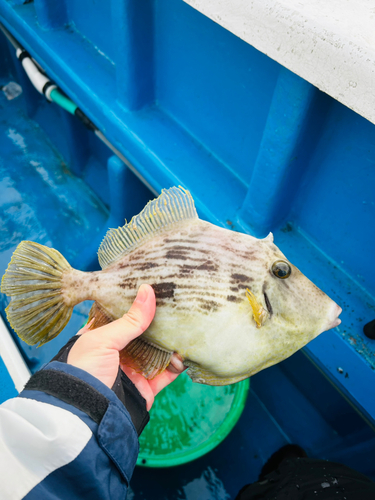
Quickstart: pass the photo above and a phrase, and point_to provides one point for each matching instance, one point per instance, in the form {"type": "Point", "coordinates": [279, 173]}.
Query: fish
{"type": "Point", "coordinates": [227, 304]}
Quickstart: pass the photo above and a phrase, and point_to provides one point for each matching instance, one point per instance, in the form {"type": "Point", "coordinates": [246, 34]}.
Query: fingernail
{"type": "Point", "coordinates": [142, 294]}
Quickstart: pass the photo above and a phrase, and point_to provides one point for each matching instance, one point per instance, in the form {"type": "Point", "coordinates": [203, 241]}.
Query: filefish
{"type": "Point", "coordinates": [228, 304]}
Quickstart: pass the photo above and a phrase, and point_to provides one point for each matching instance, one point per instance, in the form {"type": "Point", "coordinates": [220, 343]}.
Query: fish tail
{"type": "Point", "coordinates": [33, 280]}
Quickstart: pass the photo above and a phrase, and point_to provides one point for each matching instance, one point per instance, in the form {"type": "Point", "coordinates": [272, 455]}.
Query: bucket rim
{"type": "Point", "coordinates": [183, 457]}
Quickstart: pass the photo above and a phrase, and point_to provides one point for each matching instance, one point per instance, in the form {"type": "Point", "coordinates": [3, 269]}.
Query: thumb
{"type": "Point", "coordinates": [136, 320]}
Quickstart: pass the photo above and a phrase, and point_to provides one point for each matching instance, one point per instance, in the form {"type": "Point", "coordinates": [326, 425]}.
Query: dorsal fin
{"type": "Point", "coordinates": [172, 206]}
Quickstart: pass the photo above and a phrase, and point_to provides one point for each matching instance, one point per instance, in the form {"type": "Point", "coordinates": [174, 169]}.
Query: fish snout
{"type": "Point", "coordinates": [333, 317]}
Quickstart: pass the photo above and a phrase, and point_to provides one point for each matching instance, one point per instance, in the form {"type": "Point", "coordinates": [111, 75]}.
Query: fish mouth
{"type": "Point", "coordinates": [333, 318]}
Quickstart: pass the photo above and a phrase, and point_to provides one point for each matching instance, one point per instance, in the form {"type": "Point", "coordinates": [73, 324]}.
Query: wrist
{"type": "Point", "coordinates": [62, 380]}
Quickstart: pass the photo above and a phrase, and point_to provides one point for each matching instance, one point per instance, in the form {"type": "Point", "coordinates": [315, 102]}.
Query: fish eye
{"type": "Point", "coordinates": [281, 269]}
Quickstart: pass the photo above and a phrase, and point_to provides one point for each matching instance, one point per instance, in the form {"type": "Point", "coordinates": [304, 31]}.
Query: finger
{"type": "Point", "coordinates": [176, 364]}
{"type": "Point", "coordinates": [121, 331]}
{"type": "Point", "coordinates": [161, 381]}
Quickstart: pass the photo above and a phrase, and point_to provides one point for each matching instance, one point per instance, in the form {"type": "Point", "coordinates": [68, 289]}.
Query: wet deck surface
{"type": "Point", "coordinates": [41, 200]}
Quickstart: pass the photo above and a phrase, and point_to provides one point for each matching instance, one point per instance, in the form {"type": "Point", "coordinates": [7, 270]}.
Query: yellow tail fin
{"type": "Point", "coordinates": [37, 311]}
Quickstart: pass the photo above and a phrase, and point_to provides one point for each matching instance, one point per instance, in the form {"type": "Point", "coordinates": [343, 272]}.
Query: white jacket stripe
{"type": "Point", "coordinates": [36, 439]}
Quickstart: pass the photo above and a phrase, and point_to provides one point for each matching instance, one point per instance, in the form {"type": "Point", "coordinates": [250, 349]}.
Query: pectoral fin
{"type": "Point", "coordinates": [260, 315]}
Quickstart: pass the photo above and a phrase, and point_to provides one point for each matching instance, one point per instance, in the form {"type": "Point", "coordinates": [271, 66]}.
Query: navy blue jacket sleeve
{"type": "Point", "coordinates": [67, 436]}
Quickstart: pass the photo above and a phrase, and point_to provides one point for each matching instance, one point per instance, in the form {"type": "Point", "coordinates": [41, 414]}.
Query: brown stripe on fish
{"type": "Point", "coordinates": [183, 256]}
{"type": "Point", "coordinates": [243, 254]}
{"type": "Point", "coordinates": [232, 262]}
{"type": "Point", "coordinates": [190, 249]}
{"type": "Point", "coordinates": [209, 305]}
{"type": "Point", "coordinates": [203, 305]}
{"type": "Point", "coordinates": [217, 301]}
{"type": "Point", "coordinates": [122, 265]}
{"type": "Point", "coordinates": [144, 266]}
{"type": "Point", "coordinates": [208, 266]}
{"type": "Point", "coordinates": [199, 278]}
{"type": "Point", "coordinates": [128, 283]}
{"type": "Point", "coordinates": [179, 307]}
{"type": "Point", "coordinates": [203, 237]}
{"type": "Point", "coordinates": [179, 240]}
{"type": "Point", "coordinates": [181, 234]}
{"type": "Point", "coordinates": [246, 256]}
{"type": "Point", "coordinates": [135, 255]}
{"type": "Point", "coordinates": [195, 286]}
{"type": "Point", "coordinates": [239, 288]}
{"type": "Point", "coordinates": [240, 278]}
{"type": "Point", "coordinates": [187, 269]}
{"type": "Point", "coordinates": [200, 290]}
{"type": "Point", "coordinates": [134, 266]}
{"type": "Point", "coordinates": [126, 286]}
{"type": "Point", "coordinates": [200, 294]}
{"type": "Point", "coordinates": [177, 251]}
{"type": "Point", "coordinates": [152, 254]}
{"type": "Point", "coordinates": [176, 255]}
{"type": "Point", "coordinates": [161, 303]}
{"type": "Point", "coordinates": [164, 290]}
{"type": "Point", "coordinates": [233, 298]}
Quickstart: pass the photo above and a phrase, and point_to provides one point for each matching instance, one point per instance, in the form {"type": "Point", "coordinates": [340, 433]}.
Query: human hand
{"type": "Point", "coordinates": [97, 351]}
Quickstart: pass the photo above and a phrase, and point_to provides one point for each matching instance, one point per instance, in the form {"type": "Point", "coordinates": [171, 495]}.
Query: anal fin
{"type": "Point", "coordinates": [145, 357]}
{"type": "Point", "coordinates": [99, 316]}
{"type": "Point", "coordinates": [140, 354]}
{"type": "Point", "coordinates": [202, 376]}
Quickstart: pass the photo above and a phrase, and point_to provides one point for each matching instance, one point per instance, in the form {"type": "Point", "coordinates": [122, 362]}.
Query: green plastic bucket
{"type": "Point", "coordinates": [188, 420]}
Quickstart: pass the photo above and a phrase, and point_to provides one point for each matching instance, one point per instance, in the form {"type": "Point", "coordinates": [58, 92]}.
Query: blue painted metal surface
{"type": "Point", "coordinates": [7, 388]}
{"type": "Point", "coordinates": [259, 148]}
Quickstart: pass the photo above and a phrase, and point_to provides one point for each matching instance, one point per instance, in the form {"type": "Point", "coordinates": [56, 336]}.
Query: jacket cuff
{"type": "Point", "coordinates": [71, 390]}
{"type": "Point", "coordinates": [78, 388]}
{"type": "Point", "coordinates": [75, 390]}
{"type": "Point", "coordinates": [123, 387]}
